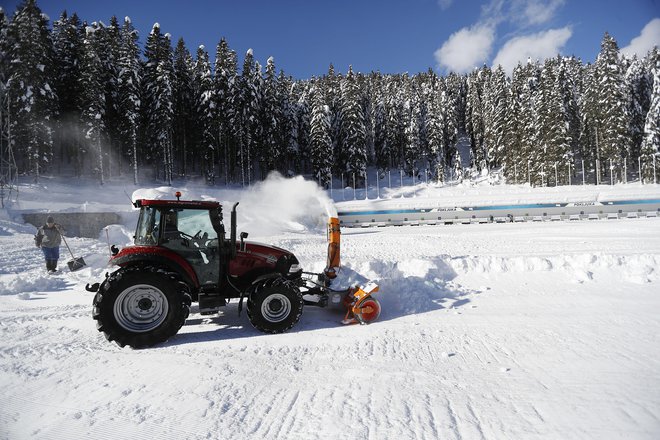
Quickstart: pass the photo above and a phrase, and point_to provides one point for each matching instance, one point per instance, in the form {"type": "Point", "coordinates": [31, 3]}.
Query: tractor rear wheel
{"type": "Point", "coordinates": [275, 305]}
{"type": "Point", "coordinates": [141, 306]}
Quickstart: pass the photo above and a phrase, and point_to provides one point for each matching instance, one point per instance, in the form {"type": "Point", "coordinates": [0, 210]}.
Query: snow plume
{"type": "Point", "coordinates": [644, 42]}
{"type": "Point", "coordinates": [281, 204]}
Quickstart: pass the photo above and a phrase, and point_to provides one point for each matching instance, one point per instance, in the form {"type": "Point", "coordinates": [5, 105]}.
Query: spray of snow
{"type": "Point", "coordinates": [276, 205]}
{"type": "Point", "coordinates": [280, 204]}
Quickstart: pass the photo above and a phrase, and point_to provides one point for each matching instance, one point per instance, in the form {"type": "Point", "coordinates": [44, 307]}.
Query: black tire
{"type": "Point", "coordinates": [141, 306]}
{"type": "Point", "coordinates": [274, 305]}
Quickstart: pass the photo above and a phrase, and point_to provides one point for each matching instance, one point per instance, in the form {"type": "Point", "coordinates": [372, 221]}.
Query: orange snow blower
{"type": "Point", "coordinates": [360, 306]}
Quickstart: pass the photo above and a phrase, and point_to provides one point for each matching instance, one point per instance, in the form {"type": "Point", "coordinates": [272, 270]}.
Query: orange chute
{"type": "Point", "coordinates": [334, 239]}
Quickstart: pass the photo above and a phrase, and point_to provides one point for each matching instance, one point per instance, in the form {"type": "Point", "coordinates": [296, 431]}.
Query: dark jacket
{"type": "Point", "coordinates": [49, 237]}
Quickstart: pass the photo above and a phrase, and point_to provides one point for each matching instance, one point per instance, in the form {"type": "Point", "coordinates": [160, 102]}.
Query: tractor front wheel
{"type": "Point", "coordinates": [141, 307]}
{"type": "Point", "coordinates": [275, 305]}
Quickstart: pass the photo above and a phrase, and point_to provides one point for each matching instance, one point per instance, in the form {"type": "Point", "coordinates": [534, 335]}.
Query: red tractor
{"type": "Point", "coordinates": [181, 254]}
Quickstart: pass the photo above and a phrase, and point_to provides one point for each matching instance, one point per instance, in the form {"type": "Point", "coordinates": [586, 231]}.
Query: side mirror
{"type": "Point", "coordinates": [244, 235]}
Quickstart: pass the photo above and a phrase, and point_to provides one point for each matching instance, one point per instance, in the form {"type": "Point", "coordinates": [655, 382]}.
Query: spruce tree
{"type": "Point", "coordinates": [158, 75]}
{"type": "Point", "coordinates": [128, 95]}
{"type": "Point", "coordinates": [352, 127]}
{"type": "Point", "coordinates": [205, 112]}
{"type": "Point", "coordinates": [435, 128]}
{"type": "Point", "coordinates": [269, 153]}
{"type": "Point", "coordinates": [475, 117]}
{"type": "Point", "coordinates": [184, 131]}
{"type": "Point", "coordinates": [68, 50]}
{"type": "Point", "coordinates": [225, 85]}
{"type": "Point", "coordinates": [496, 98]}
{"type": "Point", "coordinates": [286, 133]}
{"type": "Point", "coordinates": [383, 157]}
{"type": "Point", "coordinates": [320, 144]}
{"type": "Point", "coordinates": [612, 118]}
{"type": "Point", "coordinates": [30, 78]}
{"type": "Point", "coordinates": [93, 100]}
{"type": "Point", "coordinates": [248, 100]}
{"type": "Point", "coordinates": [639, 82]}
{"type": "Point", "coordinates": [650, 151]}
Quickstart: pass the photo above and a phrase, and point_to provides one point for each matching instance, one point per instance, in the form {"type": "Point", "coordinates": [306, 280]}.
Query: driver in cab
{"type": "Point", "coordinates": [170, 230]}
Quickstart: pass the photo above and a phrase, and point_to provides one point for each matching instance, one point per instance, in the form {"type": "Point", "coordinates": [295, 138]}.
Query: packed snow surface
{"type": "Point", "coordinates": [496, 331]}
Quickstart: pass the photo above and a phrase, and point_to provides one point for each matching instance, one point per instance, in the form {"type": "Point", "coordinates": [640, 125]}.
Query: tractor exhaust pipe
{"type": "Point", "coordinates": [232, 233]}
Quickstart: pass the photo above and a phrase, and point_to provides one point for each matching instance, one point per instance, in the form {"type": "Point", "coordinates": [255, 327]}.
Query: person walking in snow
{"type": "Point", "coordinates": [49, 238]}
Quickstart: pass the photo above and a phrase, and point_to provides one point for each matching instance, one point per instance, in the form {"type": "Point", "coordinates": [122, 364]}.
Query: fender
{"type": "Point", "coordinates": [159, 255]}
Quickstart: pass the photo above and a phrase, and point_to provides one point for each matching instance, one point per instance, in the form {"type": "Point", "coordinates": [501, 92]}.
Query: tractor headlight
{"type": "Point", "coordinates": [294, 268]}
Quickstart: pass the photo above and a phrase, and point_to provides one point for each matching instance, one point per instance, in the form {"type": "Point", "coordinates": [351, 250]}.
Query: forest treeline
{"type": "Point", "coordinates": [84, 99]}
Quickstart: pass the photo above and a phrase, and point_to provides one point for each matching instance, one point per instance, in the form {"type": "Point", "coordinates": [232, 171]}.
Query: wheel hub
{"type": "Point", "coordinates": [276, 307]}
{"type": "Point", "coordinates": [141, 308]}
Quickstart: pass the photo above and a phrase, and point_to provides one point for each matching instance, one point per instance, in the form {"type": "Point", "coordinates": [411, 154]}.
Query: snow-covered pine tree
{"type": "Point", "coordinates": [531, 154]}
{"type": "Point", "coordinates": [332, 86]}
{"type": "Point", "coordinates": [4, 49]}
{"type": "Point", "coordinates": [514, 167]}
{"type": "Point", "coordinates": [286, 135]}
{"type": "Point", "coordinates": [320, 144]}
{"type": "Point", "coordinates": [570, 78]}
{"type": "Point", "coordinates": [158, 101]}
{"type": "Point", "coordinates": [453, 108]}
{"type": "Point", "coordinates": [435, 128]}
{"type": "Point", "coordinates": [269, 153]}
{"type": "Point", "coordinates": [411, 144]}
{"type": "Point", "coordinates": [302, 96]}
{"type": "Point", "coordinates": [650, 152]}
{"type": "Point", "coordinates": [68, 50]}
{"type": "Point", "coordinates": [93, 99]}
{"type": "Point", "coordinates": [475, 116]}
{"type": "Point", "coordinates": [613, 120]}
{"type": "Point", "coordinates": [248, 109]}
{"type": "Point", "coordinates": [395, 97]}
{"type": "Point", "coordinates": [109, 54]}
{"type": "Point", "coordinates": [352, 127]}
{"type": "Point", "coordinates": [32, 99]}
{"type": "Point", "coordinates": [496, 95]}
{"type": "Point", "coordinates": [224, 82]}
{"type": "Point", "coordinates": [205, 112]}
{"type": "Point", "coordinates": [379, 116]}
{"type": "Point", "coordinates": [128, 94]}
{"type": "Point", "coordinates": [553, 123]}
{"type": "Point", "coordinates": [639, 81]}
{"type": "Point", "coordinates": [184, 132]}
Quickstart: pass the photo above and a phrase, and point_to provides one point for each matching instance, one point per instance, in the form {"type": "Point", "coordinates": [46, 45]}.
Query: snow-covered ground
{"type": "Point", "coordinates": [496, 331]}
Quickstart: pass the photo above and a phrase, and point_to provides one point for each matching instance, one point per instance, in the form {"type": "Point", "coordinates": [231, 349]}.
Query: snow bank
{"type": "Point", "coordinates": [26, 285]}
{"type": "Point", "coordinates": [426, 284]}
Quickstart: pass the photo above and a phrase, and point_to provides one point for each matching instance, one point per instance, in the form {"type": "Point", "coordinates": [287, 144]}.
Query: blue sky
{"type": "Point", "coordinates": [392, 36]}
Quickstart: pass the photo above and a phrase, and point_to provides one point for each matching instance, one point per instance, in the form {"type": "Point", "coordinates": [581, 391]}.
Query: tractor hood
{"type": "Point", "coordinates": [259, 255]}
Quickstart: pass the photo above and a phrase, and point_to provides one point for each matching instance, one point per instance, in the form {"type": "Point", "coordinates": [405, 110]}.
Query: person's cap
{"type": "Point", "coordinates": [50, 219]}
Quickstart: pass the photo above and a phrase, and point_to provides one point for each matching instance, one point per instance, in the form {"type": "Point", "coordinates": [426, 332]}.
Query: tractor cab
{"type": "Point", "coordinates": [193, 230]}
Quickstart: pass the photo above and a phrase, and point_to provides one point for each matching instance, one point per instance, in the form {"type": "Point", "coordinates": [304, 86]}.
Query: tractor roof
{"type": "Point", "coordinates": [184, 204]}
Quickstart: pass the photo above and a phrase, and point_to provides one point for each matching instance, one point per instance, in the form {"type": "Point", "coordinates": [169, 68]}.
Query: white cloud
{"type": "Point", "coordinates": [645, 41]}
{"type": "Point", "coordinates": [466, 49]}
{"type": "Point", "coordinates": [535, 12]}
{"type": "Point", "coordinates": [542, 45]}
{"type": "Point", "coordinates": [444, 4]}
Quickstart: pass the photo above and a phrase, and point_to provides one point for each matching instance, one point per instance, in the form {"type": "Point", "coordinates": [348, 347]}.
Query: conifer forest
{"type": "Point", "coordinates": [91, 99]}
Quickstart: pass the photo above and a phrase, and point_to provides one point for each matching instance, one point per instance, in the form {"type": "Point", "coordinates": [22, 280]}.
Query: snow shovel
{"type": "Point", "coordinates": [75, 263]}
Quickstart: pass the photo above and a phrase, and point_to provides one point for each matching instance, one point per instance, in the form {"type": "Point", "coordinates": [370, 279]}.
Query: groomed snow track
{"type": "Point", "coordinates": [425, 214]}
